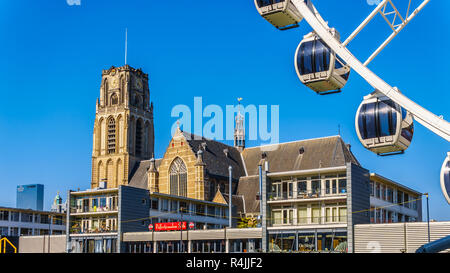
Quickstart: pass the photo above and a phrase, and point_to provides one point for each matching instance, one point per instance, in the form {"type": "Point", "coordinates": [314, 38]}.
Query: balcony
{"type": "Point", "coordinates": [78, 231]}
{"type": "Point", "coordinates": [312, 194]}
{"type": "Point", "coordinates": [305, 221]}
{"type": "Point", "coordinates": [87, 209]}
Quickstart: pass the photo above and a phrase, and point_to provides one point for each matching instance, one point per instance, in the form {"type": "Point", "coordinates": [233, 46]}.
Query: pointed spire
{"type": "Point", "coordinates": [200, 161]}
{"type": "Point", "coordinates": [239, 130]}
{"type": "Point", "coordinates": [152, 167]}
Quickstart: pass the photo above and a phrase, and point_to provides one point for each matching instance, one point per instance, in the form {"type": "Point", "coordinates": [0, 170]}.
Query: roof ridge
{"type": "Point", "coordinates": [294, 141]}
{"type": "Point", "coordinates": [208, 139]}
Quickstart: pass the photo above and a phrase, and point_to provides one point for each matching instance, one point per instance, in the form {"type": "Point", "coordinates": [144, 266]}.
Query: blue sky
{"type": "Point", "coordinates": [53, 54]}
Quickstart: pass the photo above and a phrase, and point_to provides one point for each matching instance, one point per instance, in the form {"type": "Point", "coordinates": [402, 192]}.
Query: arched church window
{"type": "Point", "coordinates": [178, 178]}
{"type": "Point", "coordinates": [111, 136]}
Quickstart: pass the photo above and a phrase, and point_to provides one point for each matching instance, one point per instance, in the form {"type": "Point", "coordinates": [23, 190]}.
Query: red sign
{"type": "Point", "coordinates": [170, 226]}
{"type": "Point", "coordinates": [150, 227]}
{"type": "Point", "coordinates": [191, 225]}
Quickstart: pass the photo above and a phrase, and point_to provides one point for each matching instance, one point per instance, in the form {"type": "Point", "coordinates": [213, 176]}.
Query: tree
{"type": "Point", "coordinates": [247, 222]}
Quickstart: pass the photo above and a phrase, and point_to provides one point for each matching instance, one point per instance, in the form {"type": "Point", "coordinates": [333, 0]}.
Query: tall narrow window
{"type": "Point", "coordinates": [139, 131]}
{"type": "Point", "coordinates": [111, 136]}
{"type": "Point", "coordinates": [178, 178]}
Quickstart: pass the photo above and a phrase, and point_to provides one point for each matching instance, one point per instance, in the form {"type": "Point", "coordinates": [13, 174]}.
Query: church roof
{"type": "Point", "coordinates": [139, 178]}
{"type": "Point", "coordinates": [299, 155]}
{"type": "Point", "coordinates": [237, 202]}
{"type": "Point", "coordinates": [215, 157]}
{"type": "Point", "coordinates": [249, 188]}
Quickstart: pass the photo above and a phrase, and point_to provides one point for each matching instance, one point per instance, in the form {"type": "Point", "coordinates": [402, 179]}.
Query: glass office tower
{"type": "Point", "coordinates": [30, 197]}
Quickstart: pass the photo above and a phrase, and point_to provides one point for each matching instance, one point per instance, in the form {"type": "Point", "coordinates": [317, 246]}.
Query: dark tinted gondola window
{"type": "Point", "coordinates": [346, 75]}
{"type": "Point", "coordinates": [403, 113]}
{"type": "Point", "coordinates": [387, 120]}
{"type": "Point", "coordinates": [408, 132]}
{"type": "Point", "coordinates": [362, 122]}
{"type": "Point", "coordinates": [263, 3]}
{"type": "Point", "coordinates": [370, 116]}
{"type": "Point", "coordinates": [378, 120]}
{"type": "Point", "coordinates": [367, 121]}
{"type": "Point", "coordinates": [305, 58]}
{"type": "Point", "coordinates": [447, 178]}
{"type": "Point", "coordinates": [322, 57]}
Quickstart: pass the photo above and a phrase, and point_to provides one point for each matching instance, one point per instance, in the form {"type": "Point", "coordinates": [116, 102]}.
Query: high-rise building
{"type": "Point", "coordinates": [30, 197]}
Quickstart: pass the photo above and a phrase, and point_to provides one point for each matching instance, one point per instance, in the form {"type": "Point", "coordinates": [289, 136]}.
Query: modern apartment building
{"type": "Point", "coordinates": [391, 202]}
{"type": "Point", "coordinates": [24, 222]}
{"type": "Point", "coordinates": [97, 217]}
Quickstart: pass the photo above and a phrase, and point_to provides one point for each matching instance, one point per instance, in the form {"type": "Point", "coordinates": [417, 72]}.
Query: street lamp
{"type": "Point", "coordinates": [428, 217]}
{"type": "Point", "coordinates": [49, 229]}
{"type": "Point", "coordinates": [230, 195]}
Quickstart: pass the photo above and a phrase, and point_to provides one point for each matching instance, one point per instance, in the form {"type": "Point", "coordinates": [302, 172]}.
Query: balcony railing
{"type": "Point", "coordinates": [85, 209]}
{"type": "Point", "coordinates": [91, 231]}
{"type": "Point", "coordinates": [307, 194]}
{"type": "Point", "coordinates": [323, 220]}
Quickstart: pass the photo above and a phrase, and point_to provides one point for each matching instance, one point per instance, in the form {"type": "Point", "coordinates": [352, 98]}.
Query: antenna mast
{"type": "Point", "coordinates": [126, 44]}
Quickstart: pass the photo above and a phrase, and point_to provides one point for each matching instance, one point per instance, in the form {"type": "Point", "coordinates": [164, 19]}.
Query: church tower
{"type": "Point", "coordinates": [123, 127]}
{"type": "Point", "coordinates": [239, 130]}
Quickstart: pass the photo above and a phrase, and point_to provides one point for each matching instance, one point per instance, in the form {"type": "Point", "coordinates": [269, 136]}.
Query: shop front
{"type": "Point", "coordinates": [312, 240]}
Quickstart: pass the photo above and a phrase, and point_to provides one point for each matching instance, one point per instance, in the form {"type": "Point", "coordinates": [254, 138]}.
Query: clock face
{"type": "Point", "coordinates": [114, 83]}
{"type": "Point", "coordinates": [138, 83]}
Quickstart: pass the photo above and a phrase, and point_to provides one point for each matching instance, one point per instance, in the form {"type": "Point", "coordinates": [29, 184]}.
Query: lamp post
{"type": "Point", "coordinates": [181, 229]}
{"type": "Point", "coordinates": [49, 230]}
{"type": "Point", "coordinates": [230, 196]}
{"type": "Point", "coordinates": [428, 217]}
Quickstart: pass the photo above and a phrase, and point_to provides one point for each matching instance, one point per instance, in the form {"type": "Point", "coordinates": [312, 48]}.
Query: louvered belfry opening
{"type": "Point", "coordinates": [111, 136]}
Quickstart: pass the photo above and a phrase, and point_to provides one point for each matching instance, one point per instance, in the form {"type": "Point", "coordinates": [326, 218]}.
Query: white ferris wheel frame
{"type": "Point", "coordinates": [443, 170]}
{"type": "Point", "coordinates": [310, 14]}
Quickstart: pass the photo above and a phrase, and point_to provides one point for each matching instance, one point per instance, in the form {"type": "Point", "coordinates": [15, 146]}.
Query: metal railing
{"type": "Point", "coordinates": [85, 209]}
{"type": "Point", "coordinates": [273, 196]}
{"type": "Point", "coordinates": [322, 220]}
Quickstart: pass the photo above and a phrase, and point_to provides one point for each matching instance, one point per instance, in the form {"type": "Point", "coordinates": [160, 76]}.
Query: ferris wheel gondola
{"type": "Point", "coordinates": [445, 178]}
{"type": "Point", "coordinates": [280, 13]}
{"type": "Point", "coordinates": [318, 67]}
{"type": "Point", "coordinates": [383, 126]}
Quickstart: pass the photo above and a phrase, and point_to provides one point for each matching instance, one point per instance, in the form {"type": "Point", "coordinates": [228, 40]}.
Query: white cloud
{"type": "Point", "coordinates": [73, 2]}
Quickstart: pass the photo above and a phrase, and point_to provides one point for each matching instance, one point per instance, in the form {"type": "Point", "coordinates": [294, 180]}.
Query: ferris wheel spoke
{"type": "Point", "coordinates": [436, 124]}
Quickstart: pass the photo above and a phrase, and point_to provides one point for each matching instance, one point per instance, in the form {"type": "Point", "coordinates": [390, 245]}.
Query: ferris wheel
{"type": "Point", "coordinates": [385, 119]}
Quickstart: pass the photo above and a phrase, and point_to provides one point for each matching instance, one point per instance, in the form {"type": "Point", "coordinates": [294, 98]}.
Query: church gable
{"type": "Point", "coordinates": [219, 198]}
{"type": "Point", "coordinates": [217, 156]}
{"type": "Point", "coordinates": [180, 161]}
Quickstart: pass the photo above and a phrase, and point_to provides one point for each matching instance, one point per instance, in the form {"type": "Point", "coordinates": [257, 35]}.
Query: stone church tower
{"type": "Point", "coordinates": [123, 127]}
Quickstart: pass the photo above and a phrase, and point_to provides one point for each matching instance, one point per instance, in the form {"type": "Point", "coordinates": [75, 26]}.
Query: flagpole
{"type": "Point", "coordinates": [126, 44]}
